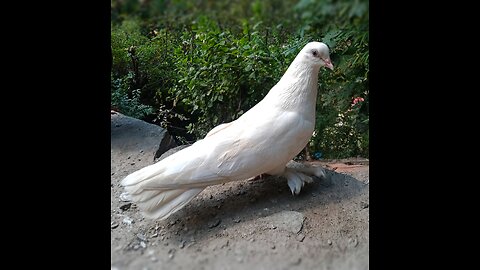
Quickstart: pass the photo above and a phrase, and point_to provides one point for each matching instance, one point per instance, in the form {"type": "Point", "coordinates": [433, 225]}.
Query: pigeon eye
{"type": "Point", "coordinates": [315, 53]}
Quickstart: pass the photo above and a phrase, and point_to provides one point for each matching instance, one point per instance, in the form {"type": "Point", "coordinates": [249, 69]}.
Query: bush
{"type": "Point", "coordinates": [128, 105]}
{"type": "Point", "coordinates": [223, 74]}
{"type": "Point", "coordinates": [189, 70]}
{"type": "Point", "coordinates": [341, 127]}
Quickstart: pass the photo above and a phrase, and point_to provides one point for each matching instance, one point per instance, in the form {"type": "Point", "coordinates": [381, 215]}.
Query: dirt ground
{"type": "Point", "coordinates": [246, 224]}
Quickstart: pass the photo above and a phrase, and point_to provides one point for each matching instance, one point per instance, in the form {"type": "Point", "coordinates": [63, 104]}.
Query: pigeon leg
{"type": "Point", "coordinates": [260, 176]}
{"type": "Point", "coordinates": [298, 174]}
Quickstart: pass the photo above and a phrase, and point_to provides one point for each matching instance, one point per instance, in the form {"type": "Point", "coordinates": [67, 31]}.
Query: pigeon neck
{"type": "Point", "coordinates": [301, 69]}
{"type": "Point", "coordinates": [297, 89]}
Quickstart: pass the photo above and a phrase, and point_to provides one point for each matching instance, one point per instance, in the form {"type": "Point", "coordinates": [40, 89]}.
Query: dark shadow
{"type": "Point", "coordinates": [246, 200]}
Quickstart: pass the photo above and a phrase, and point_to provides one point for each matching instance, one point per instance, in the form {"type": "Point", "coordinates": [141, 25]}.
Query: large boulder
{"type": "Point", "coordinates": [136, 143]}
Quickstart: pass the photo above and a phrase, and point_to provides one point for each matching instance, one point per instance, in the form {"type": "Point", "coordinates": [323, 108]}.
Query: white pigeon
{"type": "Point", "coordinates": [262, 141]}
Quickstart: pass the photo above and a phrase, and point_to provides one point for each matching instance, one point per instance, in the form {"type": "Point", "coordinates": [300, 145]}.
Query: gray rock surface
{"type": "Point", "coordinates": [239, 225]}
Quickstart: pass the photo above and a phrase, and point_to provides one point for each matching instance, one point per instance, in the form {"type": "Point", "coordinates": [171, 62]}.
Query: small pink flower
{"type": "Point", "coordinates": [357, 99]}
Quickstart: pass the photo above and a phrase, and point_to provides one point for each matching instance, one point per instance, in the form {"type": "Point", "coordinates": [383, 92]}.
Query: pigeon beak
{"type": "Point", "coordinates": [328, 63]}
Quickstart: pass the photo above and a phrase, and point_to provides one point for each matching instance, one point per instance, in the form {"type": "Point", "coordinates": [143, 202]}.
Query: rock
{"type": "Point", "coordinates": [125, 207]}
{"type": "Point", "coordinates": [142, 244]}
{"type": "Point", "coordinates": [300, 237]}
{"type": "Point", "coordinates": [237, 220]}
{"type": "Point", "coordinates": [182, 244]}
{"type": "Point", "coordinates": [124, 197]}
{"type": "Point", "coordinates": [329, 242]}
{"type": "Point", "coordinates": [241, 192]}
{"type": "Point", "coordinates": [214, 224]}
{"type": "Point", "coordinates": [130, 136]}
{"type": "Point", "coordinates": [364, 205]}
{"type": "Point", "coordinates": [128, 220]}
{"type": "Point", "coordinates": [167, 143]}
{"type": "Point", "coordinates": [290, 221]}
{"type": "Point", "coordinates": [225, 244]}
{"type": "Point", "coordinates": [171, 253]}
{"type": "Point", "coordinates": [191, 243]}
{"type": "Point", "coordinates": [353, 242]}
{"type": "Point", "coordinates": [141, 237]}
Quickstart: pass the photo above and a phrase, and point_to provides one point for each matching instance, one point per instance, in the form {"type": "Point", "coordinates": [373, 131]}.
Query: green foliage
{"type": "Point", "coordinates": [141, 64]}
{"type": "Point", "coordinates": [128, 105]}
{"type": "Point", "coordinates": [342, 129]}
{"type": "Point", "coordinates": [190, 67]}
{"type": "Point", "coordinates": [223, 74]}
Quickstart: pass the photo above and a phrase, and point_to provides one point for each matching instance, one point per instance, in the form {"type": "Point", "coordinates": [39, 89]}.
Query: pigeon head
{"type": "Point", "coordinates": [318, 53]}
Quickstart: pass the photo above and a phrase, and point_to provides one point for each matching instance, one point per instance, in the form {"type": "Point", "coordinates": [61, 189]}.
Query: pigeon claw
{"type": "Point", "coordinates": [296, 181]}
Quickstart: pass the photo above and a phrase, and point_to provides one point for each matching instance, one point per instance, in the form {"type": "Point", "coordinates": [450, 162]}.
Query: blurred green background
{"type": "Point", "coordinates": [191, 65]}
